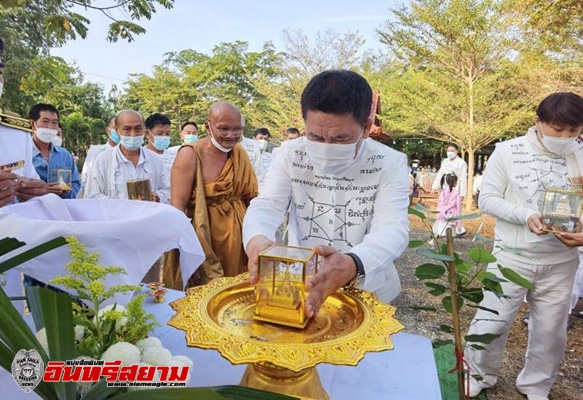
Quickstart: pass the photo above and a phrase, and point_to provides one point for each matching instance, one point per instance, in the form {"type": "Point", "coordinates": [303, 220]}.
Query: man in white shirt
{"type": "Point", "coordinates": [188, 135]}
{"type": "Point", "coordinates": [95, 150]}
{"type": "Point", "coordinates": [453, 164]}
{"type": "Point", "coordinates": [262, 137]}
{"type": "Point", "coordinates": [158, 135]}
{"type": "Point", "coordinates": [290, 134]}
{"type": "Point", "coordinates": [127, 161]}
{"type": "Point", "coordinates": [254, 153]}
{"type": "Point", "coordinates": [348, 195]}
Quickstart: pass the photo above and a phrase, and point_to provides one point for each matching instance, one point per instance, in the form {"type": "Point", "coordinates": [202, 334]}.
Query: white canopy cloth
{"type": "Point", "coordinates": [126, 233]}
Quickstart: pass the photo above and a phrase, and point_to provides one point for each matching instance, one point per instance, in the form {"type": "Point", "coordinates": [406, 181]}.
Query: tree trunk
{"type": "Point", "coordinates": [469, 198]}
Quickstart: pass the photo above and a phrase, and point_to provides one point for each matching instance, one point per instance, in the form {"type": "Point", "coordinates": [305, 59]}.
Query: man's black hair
{"type": "Point", "coordinates": [156, 119]}
{"type": "Point", "coordinates": [35, 110]}
{"type": "Point", "coordinates": [338, 92]}
{"type": "Point", "coordinates": [292, 131]}
{"type": "Point", "coordinates": [455, 146]}
{"type": "Point", "coordinates": [563, 109]}
{"type": "Point", "coordinates": [189, 123]}
{"type": "Point", "coordinates": [261, 131]}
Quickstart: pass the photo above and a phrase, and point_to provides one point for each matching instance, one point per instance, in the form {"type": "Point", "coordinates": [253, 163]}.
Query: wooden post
{"type": "Point", "coordinates": [455, 315]}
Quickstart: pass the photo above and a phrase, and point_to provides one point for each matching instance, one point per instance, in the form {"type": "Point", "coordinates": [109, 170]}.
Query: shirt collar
{"type": "Point", "coordinates": [36, 151]}
{"type": "Point", "coordinates": [123, 158]}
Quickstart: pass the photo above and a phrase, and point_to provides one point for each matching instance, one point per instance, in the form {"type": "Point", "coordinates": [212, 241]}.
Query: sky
{"type": "Point", "coordinates": [200, 25]}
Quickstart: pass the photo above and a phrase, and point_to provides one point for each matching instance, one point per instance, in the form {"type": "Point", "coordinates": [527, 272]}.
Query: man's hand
{"type": "Point", "coordinates": [155, 198]}
{"type": "Point", "coordinates": [8, 184]}
{"type": "Point", "coordinates": [30, 188]}
{"type": "Point", "coordinates": [55, 188]}
{"type": "Point", "coordinates": [535, 224]}
{"type": "Point", "coordinates": [571, 239]}
{"type": "Point", "coordinates": [256, 246]}
{"type": "Point", "coordinates": [336, 270]}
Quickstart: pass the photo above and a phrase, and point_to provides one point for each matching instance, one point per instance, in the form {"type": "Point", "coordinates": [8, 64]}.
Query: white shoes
{"type": "Point", "coordinates": [535, 397]}
{"type": "Point", "coordinates": [475, 388]}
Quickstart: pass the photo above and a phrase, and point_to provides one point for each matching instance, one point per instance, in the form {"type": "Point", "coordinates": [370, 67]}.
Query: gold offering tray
{"type": "Point", "coordinates": [220, 316]}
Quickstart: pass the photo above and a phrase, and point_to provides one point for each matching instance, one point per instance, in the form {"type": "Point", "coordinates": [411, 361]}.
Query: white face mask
{"type": "Point", "coordinates": [45, 135]}
{"type": "Point", "coordinates": [190, 139]}
{"type": "Point", "coordinates": [217, 144]}
{"type": "Point", "coordinates": [557, 145]}
{"type": "Point", "coordinates": [330, 158]}
{"type": "Point", "coordinates": [131, 142]}
{"type": "Point", "coordinates": [451, 155]}
{"type": "Point", "coordinates": [1, 88]}
{"type": "Point", "coordinates": [262, 144]}
{"type": "Point", "coordinates": [57, 141]}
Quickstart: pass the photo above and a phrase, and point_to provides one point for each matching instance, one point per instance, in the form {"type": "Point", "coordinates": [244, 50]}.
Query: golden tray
{"type": "Point", "coordinates": [219, 316]}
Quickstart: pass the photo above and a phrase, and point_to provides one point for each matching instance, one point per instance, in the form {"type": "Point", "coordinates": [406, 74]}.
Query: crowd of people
{"type": "Point", "coordinates": [339, 192]}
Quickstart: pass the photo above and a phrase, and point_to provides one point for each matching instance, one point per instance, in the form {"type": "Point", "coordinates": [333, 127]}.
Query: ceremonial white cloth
{"type": "Point", "coordinates": [111, 171]}
{"type": "Point", "coordinates": [127, 233]}
{"type": "Point", "coordinates": [92, 153]}
{"type": "Point", "coordinates": [458, 167]}
{"type": "Point", "coordinates": [361, 208]}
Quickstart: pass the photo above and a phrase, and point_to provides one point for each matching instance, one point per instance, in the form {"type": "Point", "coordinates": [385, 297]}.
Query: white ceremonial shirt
{"type": "Point", "coordinates": [167, 158]}
{"type": "Point", "coordinates": [92, 153]}
{"type": "Point", "coordinates": [361, 208]}
{"type": "Point", "coordinates": [254, 152]}
{"type": "Point", "coordinates": [265, 160]}
{"type": "Point", "coordinates": [458, 167]}
{"type": "Point", "coordinates": [111, 171]}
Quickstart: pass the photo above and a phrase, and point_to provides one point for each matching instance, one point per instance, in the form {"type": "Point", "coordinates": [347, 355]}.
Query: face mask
{"type": "Point", "coordinates": [161, 142]}
{"type": "Point", "coordinates": [46, 135]}
{"type": "Point", "coordinates": [190, 139]}
{"type": "Point", "coordinates": [262, 144]}
{"type": "Point", "coordinates": [559, 146]}
{"type": "Point", "coordinates": [451, 155]}
{"type": "Point", "coordinates": [114, 136]}
{"type": "Point", "coordinates": [217, 144]}
{"type": "Point", "coordinates": [57, 141]}
{"type": "Point", "coordinates": [1, 88]}
{"type": "Point", "coordinates": [132, 142]}
{"type": "Point", "coordinates": [330, 158]}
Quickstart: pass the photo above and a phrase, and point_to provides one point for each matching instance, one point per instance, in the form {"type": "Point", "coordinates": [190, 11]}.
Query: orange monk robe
{"type": "Point", "coordinates": [217, 209]}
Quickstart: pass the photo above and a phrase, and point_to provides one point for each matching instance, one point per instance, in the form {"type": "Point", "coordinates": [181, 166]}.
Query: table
{"type": "Point", "coordinates": [406, 373]}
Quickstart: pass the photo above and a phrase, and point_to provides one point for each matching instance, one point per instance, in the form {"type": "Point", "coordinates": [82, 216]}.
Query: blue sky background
{"type": "Point", "coordinates": [200, 25]}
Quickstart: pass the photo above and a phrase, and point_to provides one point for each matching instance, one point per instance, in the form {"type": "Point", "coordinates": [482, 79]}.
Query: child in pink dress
{"type": "Point", "coordinates": [449, 205]}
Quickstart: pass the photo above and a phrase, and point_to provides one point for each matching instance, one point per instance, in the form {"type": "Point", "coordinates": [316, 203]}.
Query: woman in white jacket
{"type": "Point", "coordinates": [519, 171]}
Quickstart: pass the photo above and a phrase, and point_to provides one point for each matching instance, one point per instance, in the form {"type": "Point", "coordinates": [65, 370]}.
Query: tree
{"type": "Point", "coordinates": [457, 82]}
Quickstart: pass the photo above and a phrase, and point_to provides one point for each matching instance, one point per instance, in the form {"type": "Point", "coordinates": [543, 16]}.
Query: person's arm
{"type": "Point", "coordinates": [463, 179]}
{"type": "Point", "coordinates": [96, 179]}
{"type": "Point", "coordinates": [495, 183]}
{"type": "Point", "coordinates": [8, 185]}
{"type": "Point", "coordinates": [389, 231]}
{"type": "Point", "coordinates": [163, 190]}
{"type": "Point", "coordinates": [182, 177]}
{"type": "Point", "coordinates": [437, 179]}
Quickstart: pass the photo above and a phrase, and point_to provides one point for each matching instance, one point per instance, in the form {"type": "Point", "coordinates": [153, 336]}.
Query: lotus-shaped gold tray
{"type": "Point", "coordinates": [220, 316]}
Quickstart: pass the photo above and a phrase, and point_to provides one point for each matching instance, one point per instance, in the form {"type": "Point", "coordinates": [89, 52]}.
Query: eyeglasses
{"type": "Point", "coordinates": [226, 131]}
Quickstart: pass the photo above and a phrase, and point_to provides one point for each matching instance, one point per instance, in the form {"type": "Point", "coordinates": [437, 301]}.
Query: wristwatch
{"type": "Point", "coordinates": [360, 274]}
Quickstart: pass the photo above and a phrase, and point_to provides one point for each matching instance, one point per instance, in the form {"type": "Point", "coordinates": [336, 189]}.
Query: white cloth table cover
{"type": "Point", "coordinates": [407, 372]}
{"type": "Point", "coordinates": [129, 234]}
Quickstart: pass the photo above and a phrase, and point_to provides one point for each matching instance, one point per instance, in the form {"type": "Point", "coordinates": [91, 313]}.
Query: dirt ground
{"type": "Point", "coordinates": [570, 383]}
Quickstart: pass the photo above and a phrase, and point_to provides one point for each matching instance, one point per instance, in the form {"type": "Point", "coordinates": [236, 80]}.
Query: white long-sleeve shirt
{"type": "Point", "coordinates": [111, 170]}
{"type": "Point", "coordinates": [361, 208]}
{"type": "Point", "coordinates": [254, 152]}
{"type": "Point", "coordinates": [92, 153]}
{"type": "Point", "coordinates": [458, 167]}
{"type": "Point", "coordinates": [513, 189]}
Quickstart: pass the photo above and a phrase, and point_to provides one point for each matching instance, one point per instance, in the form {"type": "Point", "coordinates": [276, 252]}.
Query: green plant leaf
{"type": "Point", "coordinates": [475, 295]}
{"type": "Point", "coordinates": [486, 338]}
{"type": "Point", "coordinates": [438, 289]}
{"type": "Point", "coordinates": [447, 303]}
{"type": "Point", "coordinates": [484, 308]}
{"type": "Point", "coordinates": [464, 217]}
{"type": "Point", "coordinates": [515, 277]}
{"type": "Point", "coordinates": [463, 267]}
{"type": "Point", "coordinates": [100, 390]}
{"type": "Point", "coordinates": [434, 255]}
{"type": "Point", "coordinates": [476, 347]}
{"type": "Point", "coordinates": [16, 335]}
{"type": "Point", "coordinates": [32, 253]}
{"type": "Point", "coordinates": [445, 328]}
{"type": "Point", "coordinates": [417, 213]}
{"type": "Point", "coordinates": [9, 244]}
{"type": "Point", "coordinates": [422, 308]}
{"type": "Point", "coordinates": [480, 255]}
{"type": "Point", "coordinates": [416, 243]}
{"type": "Point", "coordinates": [424, 209]}
{"type": "Point", "coordinates": [483, 238]}
{"type": "Point", "coordinates": [57, 313]}
{"type": "Point", "coordinates": [35, 307]}
{"type": "Point", "coordinates": [429, 271]}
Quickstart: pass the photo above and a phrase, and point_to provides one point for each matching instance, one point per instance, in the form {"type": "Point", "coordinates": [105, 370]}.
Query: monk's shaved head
{"type": "Point", "coordinates": [223, 108]}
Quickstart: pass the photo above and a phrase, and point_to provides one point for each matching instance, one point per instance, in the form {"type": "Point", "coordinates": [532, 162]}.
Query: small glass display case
{"type": "Point", "coordinates": [62, 177]}
{"type": "Point", "coordinates": [280, 295]}
{"type": "Point", "coordinates": [562, 210]}
{"type": "Point", "coordinates": [139, 189]}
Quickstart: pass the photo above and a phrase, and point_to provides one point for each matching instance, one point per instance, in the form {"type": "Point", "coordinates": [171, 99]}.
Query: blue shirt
{"type": "Point", "coordinates": [59, 158]}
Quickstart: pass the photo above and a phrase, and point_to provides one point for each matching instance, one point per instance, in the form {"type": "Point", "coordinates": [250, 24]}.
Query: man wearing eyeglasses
{"type": "Point", "coordinates": [213, 182]}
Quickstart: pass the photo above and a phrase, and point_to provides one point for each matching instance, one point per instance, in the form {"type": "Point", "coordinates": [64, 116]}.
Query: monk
{"type": "Point", "coordinates": [213, 181]}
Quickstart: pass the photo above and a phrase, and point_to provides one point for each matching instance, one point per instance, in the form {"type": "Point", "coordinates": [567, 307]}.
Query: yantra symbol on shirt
{"type": "Point", "coordinates": [326, 218]}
